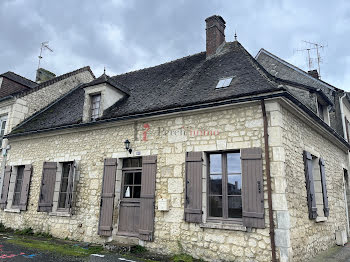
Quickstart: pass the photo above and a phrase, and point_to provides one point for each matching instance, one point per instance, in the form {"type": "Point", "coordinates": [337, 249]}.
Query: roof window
{"type": "Point", "coordinates": [225, 82]}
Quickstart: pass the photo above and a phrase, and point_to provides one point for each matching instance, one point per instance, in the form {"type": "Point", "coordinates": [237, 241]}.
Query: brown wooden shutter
{"type": "Point", "coordinates": [324, 188]}
{"type": "Point", "coordinates": [310, 188]}
{"type": "Point", "coordinates": [47, 187]}
{"type": "Point", "coordinates": [148, 188]}
{"type": "Point", "coordinates": [252, 188]}
{"type": "Point", "coordinates": [71, 189]}
{"type": "Point", "coordinates": [193, 187]}
{"type": "Point", "coordinates": [107, 197]}
{"type": "Point", "coordinates": [27, 174]}
{"type": "Point", "coordinates": [5, 187]}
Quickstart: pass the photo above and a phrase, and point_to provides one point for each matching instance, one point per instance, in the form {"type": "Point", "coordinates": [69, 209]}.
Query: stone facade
{"type": "Point", "coordinates": [170, 137]}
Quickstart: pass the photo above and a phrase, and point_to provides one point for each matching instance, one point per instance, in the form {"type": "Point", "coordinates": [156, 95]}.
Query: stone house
{"type": "Point", "coordinates": [209, 154]}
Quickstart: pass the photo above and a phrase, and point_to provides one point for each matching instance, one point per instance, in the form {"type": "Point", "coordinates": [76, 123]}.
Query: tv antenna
{"type": "Point", "coordinates": [44, 46]}
{"type": "Point", "coordinates": [317, 47]}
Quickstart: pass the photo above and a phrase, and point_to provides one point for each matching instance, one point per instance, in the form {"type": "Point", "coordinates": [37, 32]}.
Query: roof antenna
{"type": "Point", "coordinates": [44, 45]}
{"type": "Point", "coordinates": [235, 35]}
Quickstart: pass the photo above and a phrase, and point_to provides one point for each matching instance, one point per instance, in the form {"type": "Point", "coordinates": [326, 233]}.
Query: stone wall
{"type": "Point", "coordinates": [309, 237]}
{"type": "Point", "coordinates": [32, 102]}
{"type": "Point", "coordinates": [169, 139]}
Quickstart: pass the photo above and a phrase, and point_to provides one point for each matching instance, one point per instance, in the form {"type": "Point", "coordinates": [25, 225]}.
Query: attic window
{"type": "Point", "coordinates": [225, 82]}
{"type": "Point", "coordinates": [95, 106]}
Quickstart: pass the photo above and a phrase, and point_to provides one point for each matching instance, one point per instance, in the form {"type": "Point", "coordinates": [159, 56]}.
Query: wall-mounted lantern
{"type": "Point", "coordinates": [127, 146]}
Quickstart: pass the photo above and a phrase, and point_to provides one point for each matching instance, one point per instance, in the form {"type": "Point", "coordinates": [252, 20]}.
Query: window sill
{"type": "Point", "coordinates": [321, 219]}
{"type": "Point", "coordinates": [13, 210]}
{"type": "Point", "coordinates": [224, 226]}
{"type": "Point", "coordinates": [60, 214]}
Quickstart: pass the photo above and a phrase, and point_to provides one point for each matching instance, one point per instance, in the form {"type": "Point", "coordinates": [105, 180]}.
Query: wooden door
{"type": "Point", "coordinates": [129, 212]}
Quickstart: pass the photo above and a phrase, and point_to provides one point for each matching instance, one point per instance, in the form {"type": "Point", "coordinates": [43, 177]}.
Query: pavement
{"type": "Point", "coordinates": [334, 254]}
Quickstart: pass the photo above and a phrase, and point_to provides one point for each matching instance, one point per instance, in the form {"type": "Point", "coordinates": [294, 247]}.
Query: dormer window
{"type": "Point", "coordinates": [322, 110]}
{"type": "Point", "coordinates": [95, 106]}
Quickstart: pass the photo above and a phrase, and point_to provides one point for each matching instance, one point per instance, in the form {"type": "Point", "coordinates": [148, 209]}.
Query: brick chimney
{"type": "Point", "coordinates": [314, 73]}
{"type": "Point", "coordinates": [43, 75]}
{"type": "Point", "coordinates": [215, 30]}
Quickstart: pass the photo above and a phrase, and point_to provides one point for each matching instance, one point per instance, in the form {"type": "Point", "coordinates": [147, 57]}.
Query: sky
{"type": "Point", "coordinates": [133, 34]}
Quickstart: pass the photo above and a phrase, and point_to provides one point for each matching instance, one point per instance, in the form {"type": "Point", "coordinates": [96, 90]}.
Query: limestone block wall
{"type": "Point", "coordinates": [168, 138]}
{"type": "Point", "coordinates": [32, 102]}
{"type": "Point", "coordinates": [307, 236]}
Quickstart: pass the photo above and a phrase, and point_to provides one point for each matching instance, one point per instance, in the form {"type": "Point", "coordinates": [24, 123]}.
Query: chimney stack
{"type": "Point", "coordinates": [43, 75]}
{"type": "Point", "coordinates": [215, 31]}
{"type": "Point", "coordinates": [314, 73]}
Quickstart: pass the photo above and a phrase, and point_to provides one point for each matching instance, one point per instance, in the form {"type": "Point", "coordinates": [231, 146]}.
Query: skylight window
{"type": "Point", "coordinates": [224, 82]}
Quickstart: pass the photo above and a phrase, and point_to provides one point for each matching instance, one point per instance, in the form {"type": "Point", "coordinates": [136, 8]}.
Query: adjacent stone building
{"type": "Point", "coordinates": [209, 154]}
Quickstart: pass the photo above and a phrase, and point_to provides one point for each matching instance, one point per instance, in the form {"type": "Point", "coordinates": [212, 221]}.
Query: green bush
{"type": "Point", "coordinates": [182, 258]}
{"type": "Point", "coordinates": [27, 231]}
{"type": "Point", "coordinates": [138, 249]}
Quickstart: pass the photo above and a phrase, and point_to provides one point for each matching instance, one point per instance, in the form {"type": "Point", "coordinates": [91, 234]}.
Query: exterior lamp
{"type": "Point", "coordinates": [127, 146]}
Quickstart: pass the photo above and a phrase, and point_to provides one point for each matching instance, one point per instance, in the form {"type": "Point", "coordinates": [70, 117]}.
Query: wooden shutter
{"type": "Point", "coordinates": [107, 197]}
{"type": "Point", "coordinates": [324, 188]}
{"type": "Point", "coordinates": [252, 188]}
{"type": "Point", "coordinates": [310, 188]}
{"type": "Point", "coordinates": [5, 187]}
{"type": "Point", "coordinates": [47, 187]}
{"type": "Point", "coordinates": [27, 174]}
{"type": "Point", "coordinates": [193, 187]}
{"type": "Point", "coordinates": [148, 188]}
{"type": "Point", "coordinates": [71, 189]}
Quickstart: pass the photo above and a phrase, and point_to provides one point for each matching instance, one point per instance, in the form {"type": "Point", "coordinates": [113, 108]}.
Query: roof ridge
{"type": "Point", "coordinates": [20, 76]}
{"type": "Point", "coordinates": [169, 62]}
{"type": "Point", "coordinates": [57, 79]}
{"type": "Point", "coordinates": [295, 67]}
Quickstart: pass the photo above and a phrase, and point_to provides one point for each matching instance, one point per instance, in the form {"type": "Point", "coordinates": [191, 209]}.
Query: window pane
{"type": "Point", "coordinates": [137, 178]}
{"type": "Point", "coordinates": [215, 184]}
{"type": "Point", "coordinates": [136, 162]}
{"type": "Point", "coordinates": [18, 186]}
{"type": "Point", "coordinates": [62, 200]}
{"type": "Point", "coordinates": [137, 191]}
{"type": "Point", "coordinates": [234, 185]}
{"type": "Point", "coordinates": [235, 207]}
{"type": "Point", "coordinates": [215, 206]}
{"type": "Point", "coordinates": [127, 191]}
{"type": "Point", "coordinates": [128, 178]}
{"type": "Point", "coordinates": [234, 163]}
{"type": "Point", "coordinates": [215, 163]}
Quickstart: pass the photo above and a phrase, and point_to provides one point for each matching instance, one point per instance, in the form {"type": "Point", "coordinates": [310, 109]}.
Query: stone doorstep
{"type": "Point", "coordinates": [121, 244]}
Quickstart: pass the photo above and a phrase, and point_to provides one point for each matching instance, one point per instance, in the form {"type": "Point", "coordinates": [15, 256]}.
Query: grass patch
{"type": "Point", "coordinates": [49, 246]}
{"type": "Point", "coordinates": [138, 249]}
{"type": "Point", "coordinates": [182, 258]}
{"type": "Point", "coordinates": [24, 232]}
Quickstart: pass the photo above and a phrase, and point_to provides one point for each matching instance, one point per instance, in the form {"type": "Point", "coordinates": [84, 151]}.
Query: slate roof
{"type": "Point", "coordinates": [19, 79]}
{"type": "Point", "coordinates": [106, 79]}
{"type": "Point", "coordinates": [286, 71]}
{"type": "Point", "coordinates": [187, 81]}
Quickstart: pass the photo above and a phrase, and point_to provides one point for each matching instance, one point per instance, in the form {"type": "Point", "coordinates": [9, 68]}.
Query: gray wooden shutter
{"type": "Point", "coordinates": [107, 197]}
{"type": "Point", "coordinates": [47, 187]}
{"type": "Point", "coordinates": [5, 187]}
{"type": "Point", "coordinates": [27, 174]}
{"type": "Point", "coordinates": [324, 188]}
{"type": "Point", "coordinates": [252, 188]}
{"type": "Point", "coordinates": [148, 188]}
{"type": "Point", "coordinates": [193, 187]}
{"type": "Point", "coordinates": [71, 190]}
{"type": "Point", "coordinates": [310, 188]}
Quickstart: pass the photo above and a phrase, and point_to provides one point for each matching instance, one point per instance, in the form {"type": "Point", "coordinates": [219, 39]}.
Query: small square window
{"type": "Point", "coordinates": [225, 82]}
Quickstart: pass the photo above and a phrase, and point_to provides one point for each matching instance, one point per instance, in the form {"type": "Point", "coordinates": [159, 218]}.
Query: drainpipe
{"type": "Point", "coordinates": [268, 180]}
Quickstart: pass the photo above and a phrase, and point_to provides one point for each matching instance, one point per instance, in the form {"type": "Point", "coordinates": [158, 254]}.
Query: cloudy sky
{"type": "Point", "coordinates": [125, 35]}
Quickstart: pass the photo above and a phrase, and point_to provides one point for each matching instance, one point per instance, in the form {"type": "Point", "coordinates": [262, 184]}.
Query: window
{"type": "Point", "coordinates": [224, 82]}
{"type": "Point", "coordinates": [3, 121]}
{"type": "Point", "coordinates": [132, 177]}
{"type": "Point", "coordinates": [320, 110]}
{"type": "Point", "coordinates": [64, 198]}
{"type": "Point", "coordinates": [225, 186]}
{"type": "Point", "coordinates": [18, 186]}
{"type": "Point", "coordinates": [95, 106]}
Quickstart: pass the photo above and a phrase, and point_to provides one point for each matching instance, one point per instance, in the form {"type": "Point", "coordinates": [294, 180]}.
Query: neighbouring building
{"type": "Point", "coordinates": [209, 154]}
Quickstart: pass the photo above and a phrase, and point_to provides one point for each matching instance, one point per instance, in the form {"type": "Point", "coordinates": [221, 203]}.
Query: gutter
{"type": "Point", "coordinates": [268, 180]}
